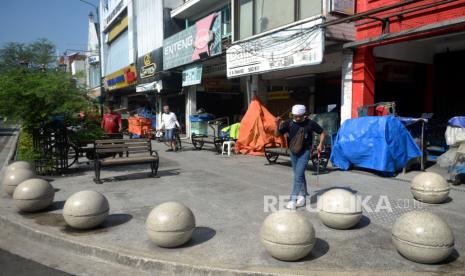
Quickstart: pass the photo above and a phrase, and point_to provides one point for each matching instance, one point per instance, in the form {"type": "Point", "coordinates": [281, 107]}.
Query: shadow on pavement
{"type": "Point", "coordinates": [364, 222]}
{"type": "Point", "coordinates": [111, 221]}
{"type": "Point", "coordinates": [320, 249]}
{"type": "Point", "coordinates": [56, 205]}
{"type": "Point", "coordinates": [141, 175]}
{"type": "Point", "coordinates": [200, 235]}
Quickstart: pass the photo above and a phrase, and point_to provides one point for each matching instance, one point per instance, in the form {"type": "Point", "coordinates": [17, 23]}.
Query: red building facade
{"type": "Point", "coordinates": [423, 36]}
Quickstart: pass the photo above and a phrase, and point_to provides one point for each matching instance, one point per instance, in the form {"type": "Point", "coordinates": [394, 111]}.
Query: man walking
{"type": "Point", "coordinates": [169, 122]}
{"type": "Point", "coordinates": [300, 132]}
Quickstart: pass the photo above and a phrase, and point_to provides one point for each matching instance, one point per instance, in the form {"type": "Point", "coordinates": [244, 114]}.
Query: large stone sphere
{"type": "Point", "coordinates": [430, 187]}
{"type": "Point", "coordinates": [422, 237]}
{"type": "Point", "coordinates": [14, 177]}
{"type": "Point", "coordinates": [170, 224]}
{"type": "Point", "coordinates": [85, 209]}
{"type": "Point", "coordinates": [20, 165]}
{"type": "Point", "coordinates": [339, 209]}
{"type": "Point", "coordinates": [33, 195]}
{"type": "Point", "coordinates": [287, 235]}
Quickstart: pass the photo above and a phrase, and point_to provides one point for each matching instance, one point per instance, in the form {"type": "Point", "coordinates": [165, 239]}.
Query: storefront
{"type": "Point", "coordinates": [413, 56]}
{"type": "Point", "coordinates": [119, 84]}
{"type": "Point", "coordinates": [197, 52]}
{"type": "Point", "coordinates": [154, 86]}
{"type": "Point", "coordinates": [117, 34]}
{"type": "Point", "coordinates": [298, 63]}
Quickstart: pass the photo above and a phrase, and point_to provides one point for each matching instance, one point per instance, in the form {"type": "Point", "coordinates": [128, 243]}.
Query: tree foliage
{"type": "Point", "coordinates": [32, 95]}
{"type": "Point", "coordinates": [40, 53]}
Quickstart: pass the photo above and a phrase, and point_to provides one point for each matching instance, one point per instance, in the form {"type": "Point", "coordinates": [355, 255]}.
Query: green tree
{"type": "Point", "coordinates": [31, 95]}
{"type": "Point", "coordinates": [13, 54]}
{"type": "Point", "coordinates": [34, 97]}
{"type": "Point", "coordinates": [42, 53]}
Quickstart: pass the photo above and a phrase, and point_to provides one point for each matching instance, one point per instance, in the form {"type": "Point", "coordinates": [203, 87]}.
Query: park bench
{"type": "Point", "coordinates": [122, 150]}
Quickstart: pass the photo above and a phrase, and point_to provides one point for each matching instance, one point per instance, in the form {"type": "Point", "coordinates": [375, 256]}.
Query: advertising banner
{"type": "Point", "coordinates": [296, 46]}
{"type": "Point", "coordinates": [192, 75]}
{"type": "Point", "coordinates": [194, 43]}
{"type": "Point", "coordinates": [122, 78]}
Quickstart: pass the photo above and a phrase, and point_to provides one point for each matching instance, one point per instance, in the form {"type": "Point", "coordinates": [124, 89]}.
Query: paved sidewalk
{"type": "Point", "coordinates": [227, 198]}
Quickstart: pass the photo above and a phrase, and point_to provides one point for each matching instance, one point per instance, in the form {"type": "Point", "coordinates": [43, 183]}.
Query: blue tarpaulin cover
{"type": "Point", "coordinates": [458, 121]}
{"type": "Point", "coordinates": [373, 142]}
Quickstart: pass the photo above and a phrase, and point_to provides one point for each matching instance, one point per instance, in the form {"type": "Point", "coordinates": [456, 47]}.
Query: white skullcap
{"type": "Point", "coordinates": [298, 110]}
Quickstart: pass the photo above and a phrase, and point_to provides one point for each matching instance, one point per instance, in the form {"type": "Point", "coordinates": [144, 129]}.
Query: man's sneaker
{"type": "Point", "coordinates": [291, 205]}
{"type": "Point", "coordinates": [300, 201]}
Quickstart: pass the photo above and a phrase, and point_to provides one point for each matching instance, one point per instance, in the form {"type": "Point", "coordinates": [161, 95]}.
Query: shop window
{"type": "Point", "coordinates": [225, 21]}
{"type": "Point", "coordinates": [94, 76]}
{"type": "Point", "coordinates": [257, 16]}
{"type": "Point", "coordinates": [270, 14]}
{"type": "Point", "coordinates": [246, 18]}
{"type": "Point", "coordinates": [309, 8]}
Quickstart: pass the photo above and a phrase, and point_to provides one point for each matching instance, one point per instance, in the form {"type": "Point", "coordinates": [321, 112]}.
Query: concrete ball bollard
{"type": "Point", "coordinates": [20, 165]}
{"type": "Point", "coordinates": [430, 187]}
{"type": "Point", "coordinates": [339, 209]}
{"type": "Point", "coordinates": [85, 209]}
{"type": "Point", "coordinates": [33, 195]}
{"type": "Point", "coordinates": [287, 235]}
{"type": "Point", "coordinates": [170, 224]}
{"type": "Point", "coordinates": [422, 237]}
{"type": "Point", "coordinates": [14, 177]}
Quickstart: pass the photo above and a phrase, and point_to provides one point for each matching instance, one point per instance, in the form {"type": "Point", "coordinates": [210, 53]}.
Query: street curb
{"type": "Point", "coordinates": [160, 267]}
{"type": "Point", "coordinates": [136, 261]}
{"type": "Point", "coordinates": [119, 257]}
{"type": "Point", "coordinates": [11, 146]}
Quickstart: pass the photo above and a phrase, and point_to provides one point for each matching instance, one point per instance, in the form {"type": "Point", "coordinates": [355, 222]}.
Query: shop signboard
{"type": "Point", "coordinates": [192, 75]}
{"type": "Point", "coordinates": [111, 10]}
{"type": "Point", "coordinates": [194, 43]}
{"type": "Point", "coordinates": [122, 78]}
{"type": "Point", "coordinates": [296, 46]}
{"type": "Point", "coordinates": [343, 6]}
{"type": "Point", "coordinates": [149, 65]}
{"type": "Point", "coordinates": [93, 59]}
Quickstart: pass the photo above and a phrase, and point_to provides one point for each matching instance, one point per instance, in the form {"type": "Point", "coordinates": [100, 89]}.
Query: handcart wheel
{"type": "Point", "coordinates": [178, 142]}
{"type": "Point", "coordinates": [271, 157]}
{"type": "Point", "coordinates": [196, 143]}
{"type": "Point", "coordinates": [456, 180]}
{"type": "Point", "coordinates": [323, 162]}
{"type": "Point", "coordinates": [218, 145]}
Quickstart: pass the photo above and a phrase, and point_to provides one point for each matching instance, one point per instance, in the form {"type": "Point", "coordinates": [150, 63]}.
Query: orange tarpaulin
{"type": "Point", "coordinates": [257, 129]}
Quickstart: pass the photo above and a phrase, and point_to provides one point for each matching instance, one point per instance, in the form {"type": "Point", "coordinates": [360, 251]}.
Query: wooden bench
{"type": "Point", "coordinates": [124, 148]}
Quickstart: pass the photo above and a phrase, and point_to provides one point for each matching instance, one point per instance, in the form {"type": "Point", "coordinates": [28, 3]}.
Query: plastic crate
{"type": "Point", "coordinates": [199, 128]}
{"type": "Point", "coordinates": [139, 126]}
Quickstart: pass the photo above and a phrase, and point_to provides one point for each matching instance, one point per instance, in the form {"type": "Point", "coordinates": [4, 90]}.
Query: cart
{"type": "Point", "coordinates": [140, 127]}
{"type": "Point", "coordinates": [457, 169]}
{"type": "Point", "coordinates": [199, 140]}
{"type": "Point", "coordinates": [329, 121]}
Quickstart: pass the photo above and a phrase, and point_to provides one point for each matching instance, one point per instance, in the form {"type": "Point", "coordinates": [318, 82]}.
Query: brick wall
{"type": "Point", "coordinates": [408, 21]}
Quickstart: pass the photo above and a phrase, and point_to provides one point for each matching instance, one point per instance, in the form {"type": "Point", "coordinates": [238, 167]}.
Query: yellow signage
{"type": "Point", "coordinates": [121, 78]}
{"type": "Point", "coordinates": [117, 29]}
{"type": "Point", "coordinates": [278, 95]}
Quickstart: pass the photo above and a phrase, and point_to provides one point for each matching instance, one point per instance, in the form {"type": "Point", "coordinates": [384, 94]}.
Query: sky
{"type": "Point", "coordinates": [64, 22]}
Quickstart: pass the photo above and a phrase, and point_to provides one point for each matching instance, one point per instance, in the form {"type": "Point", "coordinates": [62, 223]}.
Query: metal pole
{"type": "Point", "coordinates": [99, 36]}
